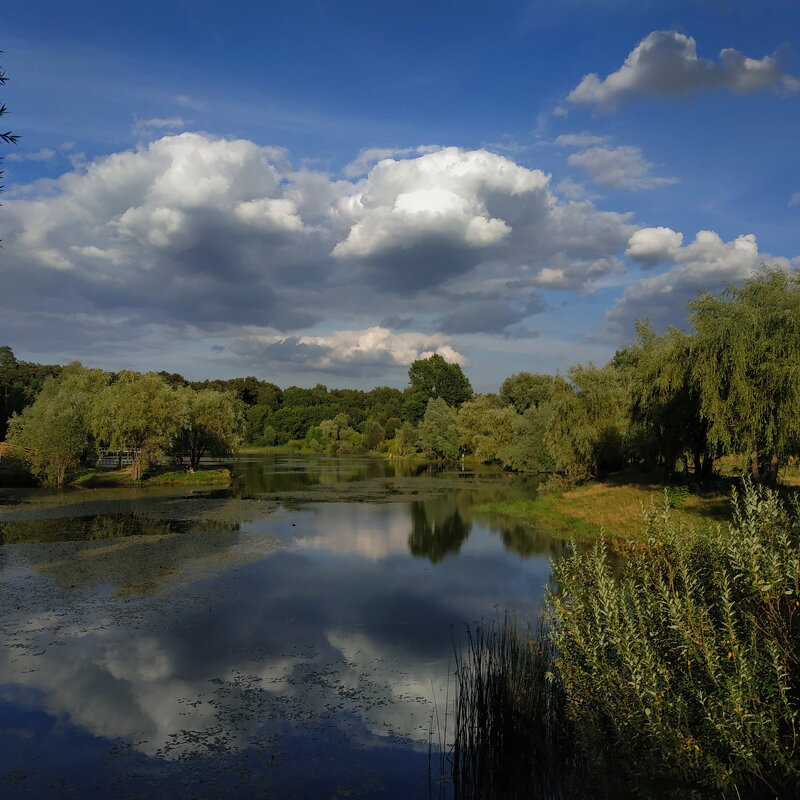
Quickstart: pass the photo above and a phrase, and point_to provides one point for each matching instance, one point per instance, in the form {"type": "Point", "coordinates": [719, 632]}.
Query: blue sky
{"type": "Point", "coordinates": [323, 191]}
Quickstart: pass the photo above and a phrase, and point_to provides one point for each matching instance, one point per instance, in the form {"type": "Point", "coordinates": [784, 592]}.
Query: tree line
{"type": "Point", "coordinates": [731, 386]}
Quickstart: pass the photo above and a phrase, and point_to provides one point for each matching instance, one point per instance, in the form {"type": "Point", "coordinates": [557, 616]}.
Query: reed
{"type": "Point", "coordinates": [513, 737]}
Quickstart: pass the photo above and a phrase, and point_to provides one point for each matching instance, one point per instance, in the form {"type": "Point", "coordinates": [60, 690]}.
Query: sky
{"type": "Point", "coordinates": [321, 192]}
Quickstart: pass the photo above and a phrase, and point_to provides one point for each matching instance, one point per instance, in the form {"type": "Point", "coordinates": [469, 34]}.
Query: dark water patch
{"type": "Point", "coordinates": [89, 527]}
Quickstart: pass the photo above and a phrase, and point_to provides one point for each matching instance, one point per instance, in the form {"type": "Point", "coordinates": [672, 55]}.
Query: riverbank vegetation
{"type": "Point", "coordinates": [676, 674]}
{"type": "Point", "coordinates": [676, 400]}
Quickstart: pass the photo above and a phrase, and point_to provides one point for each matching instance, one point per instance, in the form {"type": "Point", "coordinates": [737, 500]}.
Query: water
{"type": "Point", "coordinates": [260, 641]}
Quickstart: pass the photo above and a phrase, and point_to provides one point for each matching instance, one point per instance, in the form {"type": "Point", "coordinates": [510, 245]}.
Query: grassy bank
{"type": "Point", "coordinates": [614, 506]}
{"type": "Point", "coordinates": [156, 476]}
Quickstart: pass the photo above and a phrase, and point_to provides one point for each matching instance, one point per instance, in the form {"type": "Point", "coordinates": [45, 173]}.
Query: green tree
{"type": "Point", "coordinates": [140, 413]}
{"type": "Point", "coordinates": [10, 395]}
{"type": "Point", "coordinates": [268, 436]}
{"type": "Point", "coordinates": [54, 432]}
{"type": "Point", "coordinates": [527, 390]}
{"type": "Point", "coordinates": [438, 431]}
{"type": "Point", "coordinates": [486, 430]}
{"type": "Point", "coordinates": [665, 400]}
{"type": "Point", "coordinates": [213, 424]}
{"type": "Point", "coordinates": [391, 426]}
{"type": "Point", "coordinates": [434, 377]}
{"type": "Point", "coordinates": [373, 434]}
{"type": "Point", "coordinates": [746, 365]}
{"type": "Point", "coordinates": [406, 439]}
{"type": "Point", "coordinates": [588, 434]}
{"type": "Point", "coordinates": [20, 382]}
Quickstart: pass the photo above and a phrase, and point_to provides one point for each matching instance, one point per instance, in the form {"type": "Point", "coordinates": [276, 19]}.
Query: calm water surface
{"type": "Point", "coordinates": [151, 650]}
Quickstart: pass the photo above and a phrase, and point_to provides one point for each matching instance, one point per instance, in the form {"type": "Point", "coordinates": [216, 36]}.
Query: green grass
{"type": "Point", "coordinates": [614, 507]}
{"type": "Point", "coordinates": [156, 476]}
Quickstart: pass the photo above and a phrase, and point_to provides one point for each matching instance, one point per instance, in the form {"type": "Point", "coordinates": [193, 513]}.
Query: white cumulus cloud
{"type": "Point", "coordinates": [44, 154]}
{"type": "Point", "coordinates": [706, 264]}
{"type": "Point", "coordinates": [665, 63]}
{"type": "Point", "coordinates": [364, 161]}
{"type": "Point", "coordinates": [198, 238]}
{"type": "Point", "coordinates": [442, 195]}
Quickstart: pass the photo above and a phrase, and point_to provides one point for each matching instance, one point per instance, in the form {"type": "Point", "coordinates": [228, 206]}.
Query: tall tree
{"type": "Point", "coordinates": [434, 377]}
{"type": "Point", "coordinates": [55, 431]}
{"type": "Point", "coordinates": [588, 435]}
{"type": "Point", "coordinates": [213, 424]}
{"type": "Point", "coordinates": [527, 390]}
{"type": "Point", "coordinates": [438, 431]}
{"type": "Point", "coordinates": [665, 400]}
{"type": "Point", "coordinates": [140, 413]}
{"type": "Point", "coordinates": [486, 430]}
{"type": "Point", "coordinates": [746, 366]}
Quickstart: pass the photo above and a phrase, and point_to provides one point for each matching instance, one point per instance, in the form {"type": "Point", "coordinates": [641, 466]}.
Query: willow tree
{"type": "Point", "coordinates": [213, 424]}
{"type": "Point", "coordinates": [666, 399]}
{"type": "Point", "coordinates": [438, 431]}
{"type": "Point", "coordinates": [141, 413]}
{"type": "Point", "coordinates": [54, 432]}
{"type": "Point", "coordinates": [590, 422]}
{"type": "Point", "coordinates": [746, 358]}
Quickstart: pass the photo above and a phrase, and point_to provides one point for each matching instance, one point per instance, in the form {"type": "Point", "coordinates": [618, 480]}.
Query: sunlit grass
{"type": "Point", "coordinates": [613, 507]}
{"type": "Point", "coordinates": [156, 476]}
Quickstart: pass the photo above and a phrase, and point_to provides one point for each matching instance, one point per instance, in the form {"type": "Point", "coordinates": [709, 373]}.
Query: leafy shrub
{"type": "Point", "coordinates": [687, 668]}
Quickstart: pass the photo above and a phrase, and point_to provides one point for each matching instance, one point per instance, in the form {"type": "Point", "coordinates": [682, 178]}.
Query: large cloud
{"type": "Point", "coordinates": [199, 238]}
{"type": "Point", "coordinates": [666, 63]}
{"type": "Point", "coordinates": [706, 264]}
{"type": "Point", "coordinates": [411, 213]}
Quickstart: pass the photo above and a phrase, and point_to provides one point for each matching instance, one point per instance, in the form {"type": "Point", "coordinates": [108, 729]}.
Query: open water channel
{"type": "Point", "coordinates": [290, 637]}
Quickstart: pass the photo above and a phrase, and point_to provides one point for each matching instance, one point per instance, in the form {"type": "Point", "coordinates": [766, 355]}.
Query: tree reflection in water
{"type": "Point", "coordinates": [437, 528]}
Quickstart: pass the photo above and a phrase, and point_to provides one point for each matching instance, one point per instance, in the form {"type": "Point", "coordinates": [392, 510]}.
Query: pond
{"type": "Point", "coordinates": [289, 637]}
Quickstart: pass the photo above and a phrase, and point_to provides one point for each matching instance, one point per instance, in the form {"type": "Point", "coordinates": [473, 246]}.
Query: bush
{"type": "Point", "coordinates": [675, 671]}
{"type": "Point", "coordinates": [687, 667]}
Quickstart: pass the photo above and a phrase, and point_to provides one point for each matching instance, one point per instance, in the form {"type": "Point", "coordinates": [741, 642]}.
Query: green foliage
{"type": "Point", "coordinates": [212, 425]}
{"type": "Point", "coordinates": [54, 432]}
{"type": "Point", "coordinates": [527, 390]}
{"type": "Point", "coordinates": [434, 377]}
{"type": "Point", "coordinates": [406, 439]}
{"type": "Point", "coordinates": [391, 427]}
{"type": "Point", "coordinates": [746, 365]}
{"type": "Point", "coordinates": [268, 436]}
{"type": "Point", "coordinates": [590, 421]}
{"type": "Point", "coordinates": [373, 434]}
{"type": "Point", "coordinates": [20, 382]}
{"type": "Point", "coordinates": [438, 431]}
{"type": "Point", "coordinates": [666, 401]}
{"type": "Point", "coordinates": [687, 667]}
{"type": "Point", "coordinates": [141, 413]}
